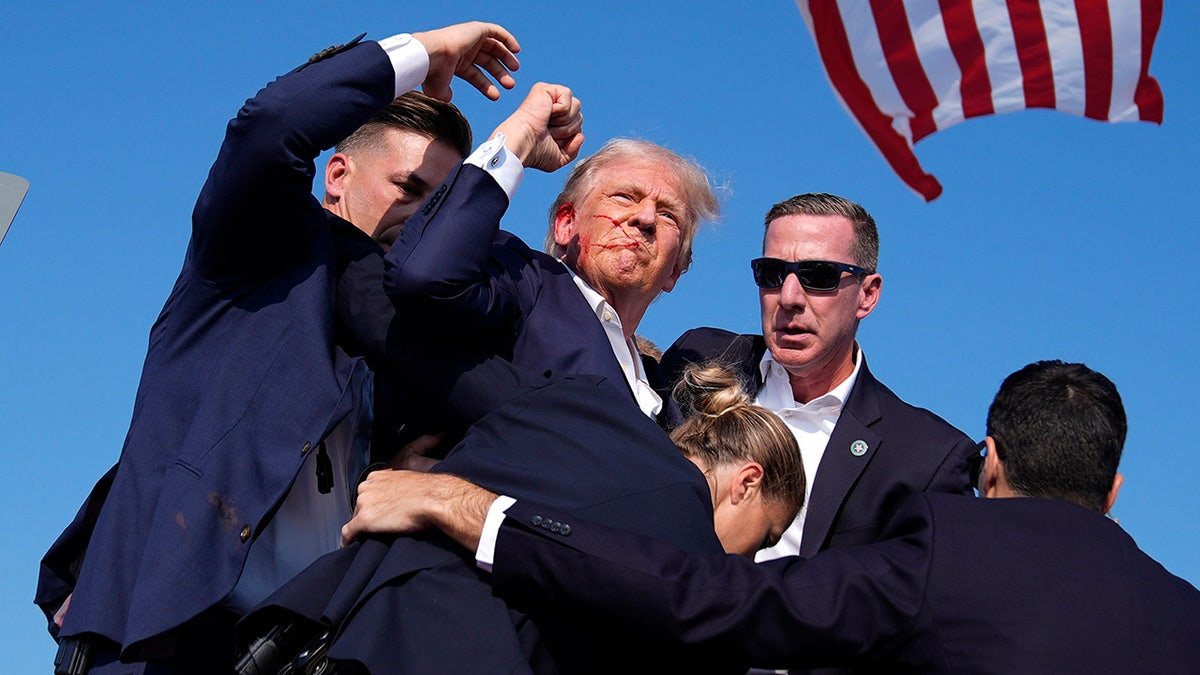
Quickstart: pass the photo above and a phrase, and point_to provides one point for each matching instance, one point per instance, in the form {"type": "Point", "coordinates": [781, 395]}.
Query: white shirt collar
{"type": "Point", "coordinates": [624, 349]}
{"type": "Point", "coordinates": [776, 393]}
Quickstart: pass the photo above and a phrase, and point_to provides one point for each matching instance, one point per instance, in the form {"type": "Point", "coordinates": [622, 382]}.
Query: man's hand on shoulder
{"type": "Point", "coordinates": [467, 50]}
{"type": "Point", "coordinates": [403, 502]}
{"type": "Point", "coordinates": [546, 131]}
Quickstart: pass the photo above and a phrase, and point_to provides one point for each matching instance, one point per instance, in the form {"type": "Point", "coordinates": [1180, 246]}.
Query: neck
{"type": "Point", "coordinates": [806, 387]}
{"type": "Point", "coordinates": [631, 312]}
{"type": "Point", "coordinates": [630, 305]}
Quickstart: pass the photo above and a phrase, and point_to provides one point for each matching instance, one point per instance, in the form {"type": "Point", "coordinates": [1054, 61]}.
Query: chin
{"type": "Point", "coordinates": [790, 358]}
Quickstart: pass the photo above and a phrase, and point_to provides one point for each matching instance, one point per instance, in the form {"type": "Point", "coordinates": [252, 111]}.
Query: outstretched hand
{"type": "Point", "coordinates": [546, 131]}
{"type": "Point", "coordinates": [467, 50]}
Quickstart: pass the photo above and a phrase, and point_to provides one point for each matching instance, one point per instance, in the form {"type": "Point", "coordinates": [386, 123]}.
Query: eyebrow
{"type": "Point", "coordinates": [412, 178]}
{"type": "Point", "coordinates": [668, 201]}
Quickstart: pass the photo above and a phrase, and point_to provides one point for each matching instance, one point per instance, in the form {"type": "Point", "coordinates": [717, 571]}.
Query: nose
{"type": "Point", "coordinates": [644, 215]}
{"type": "Point", "coordinates": [792, 294]}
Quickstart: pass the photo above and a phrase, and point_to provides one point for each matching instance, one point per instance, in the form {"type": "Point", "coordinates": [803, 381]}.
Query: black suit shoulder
{"type": "Point", "coordinates": [1108, 605]}
{"type": "Point", "coordinates": [922, 421]}
{"type": "Point", "coordinates": [742, 352]}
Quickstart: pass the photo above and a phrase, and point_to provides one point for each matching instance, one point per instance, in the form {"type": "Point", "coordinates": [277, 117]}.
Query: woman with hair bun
{"type": "Point", "coordinates": [748, 456]}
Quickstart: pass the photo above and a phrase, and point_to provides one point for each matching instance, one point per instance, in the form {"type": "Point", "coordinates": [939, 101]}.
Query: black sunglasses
{"type": "Point", "coordinates": [814, 275]}
{"type": "Point", "coordinates": [975, 463]}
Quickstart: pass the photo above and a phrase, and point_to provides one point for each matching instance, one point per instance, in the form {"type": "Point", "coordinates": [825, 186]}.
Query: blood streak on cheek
{"type": "Point", "coordinates": [614, 247]}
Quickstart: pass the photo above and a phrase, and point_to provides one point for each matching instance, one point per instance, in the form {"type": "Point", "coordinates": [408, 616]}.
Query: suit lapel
{"type": "Point", "coordinates": [598, 357]}
{"type": "Point", "coordinates": [841, 465]}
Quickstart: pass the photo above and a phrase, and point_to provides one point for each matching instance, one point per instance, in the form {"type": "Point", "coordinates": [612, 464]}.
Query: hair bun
{"type": "Point", "coordinates": [710, 389]}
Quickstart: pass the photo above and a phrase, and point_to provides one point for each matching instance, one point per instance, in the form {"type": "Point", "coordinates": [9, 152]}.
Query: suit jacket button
{"type": "Point", "coordinates": [555, 526]}
{"type": "Point", "coordinates": [304, 450]}
{"type": "Point", "coordinates": [536, 520]}
{"type": "Point", "coordinates": [564, 530]}
{"type": "Point", "coordinates": [245, 534]}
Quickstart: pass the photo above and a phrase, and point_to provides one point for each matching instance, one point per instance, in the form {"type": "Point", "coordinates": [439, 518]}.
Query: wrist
{"type": "Point", "coordinates": [518, 140]}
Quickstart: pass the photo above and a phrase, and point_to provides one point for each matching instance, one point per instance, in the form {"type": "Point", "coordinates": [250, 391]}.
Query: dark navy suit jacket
{"type": "Point", "coordinates": [242, 377]}
{"type": "Point", "coordinates": [909, 449]}
{"type": "Point", "coordinates": [484, 286]}
{"type": "Point", "coordinates": [418, 604]}
{"type": "Point", "coordinates": [956, 585]}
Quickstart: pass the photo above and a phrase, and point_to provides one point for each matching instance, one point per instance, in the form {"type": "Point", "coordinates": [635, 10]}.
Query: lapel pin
{"type": "Point", "coordinates": [858, 448]}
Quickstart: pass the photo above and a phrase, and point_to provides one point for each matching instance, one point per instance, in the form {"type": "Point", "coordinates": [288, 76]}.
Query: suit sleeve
{"type": "Point", "coordinates": [839, 607]}
{"type": "Point", "coordinates": [248, 217]}
{"type": "Point", "coordinates": [447, 264]}
{"type": "Point", "coordinates": [953, 476]}
{"type": "Point", "coordinates": [60, 565]}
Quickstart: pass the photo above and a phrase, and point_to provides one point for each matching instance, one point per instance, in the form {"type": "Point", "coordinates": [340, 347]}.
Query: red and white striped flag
{"type": "Point", "coordinates": [906, 68]}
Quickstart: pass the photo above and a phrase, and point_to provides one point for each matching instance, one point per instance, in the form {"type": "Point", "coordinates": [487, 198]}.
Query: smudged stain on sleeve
{"type": "Point", "coordinates": [181, 521]}
{"type": "Point", "coordinates": [226, 513]}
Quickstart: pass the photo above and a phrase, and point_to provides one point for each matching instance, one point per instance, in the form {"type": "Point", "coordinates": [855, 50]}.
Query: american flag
{"type": "Point", "coordinates": [906, 68]}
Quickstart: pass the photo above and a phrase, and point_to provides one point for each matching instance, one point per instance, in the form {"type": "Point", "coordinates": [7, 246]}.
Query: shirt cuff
{"type": "Point", "coordinates": [485, 555]}
{"type": "Point", "coordinates": [409, 60]}
{"type": "Point", "coordinates": [503, 166]}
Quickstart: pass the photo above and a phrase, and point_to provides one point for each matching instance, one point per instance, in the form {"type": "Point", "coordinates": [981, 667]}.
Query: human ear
{"type": "Point", "coordinates": [335, 176]}
{"type": "Point", "coordinates": [564, 224]}
{"type": "Point", "coordinates": [869, 291]}
{"type": "Point", "coordinates": [747, 482]}
{"type": "Point", "coordinates": [673, 279]}
{"type": "Point", "coordinates": [1111, 498]}
{"type": "Point", "coordinates": [992, 468]}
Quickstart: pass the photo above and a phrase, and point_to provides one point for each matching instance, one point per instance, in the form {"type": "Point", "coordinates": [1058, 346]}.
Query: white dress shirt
{"type": "Point", "coordinates": [812, 424]}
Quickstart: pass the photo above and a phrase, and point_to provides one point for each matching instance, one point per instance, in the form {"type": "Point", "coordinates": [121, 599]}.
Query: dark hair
{"type": "Point", "coordinates": [414, 111]}
{"type": "Point", "coordinates": [724, 426]}
{"type": "Point", "coordinates": [866, 234]}
{"type": "Point", "coordinates": [1059, 429]}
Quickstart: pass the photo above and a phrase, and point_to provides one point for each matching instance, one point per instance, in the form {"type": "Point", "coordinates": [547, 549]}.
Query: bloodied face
{"type": "Point", "coordinates": [624, 235]}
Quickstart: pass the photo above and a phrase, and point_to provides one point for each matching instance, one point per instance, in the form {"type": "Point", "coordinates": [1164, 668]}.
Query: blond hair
{"type": "Point", "coordinates": [724, 426]}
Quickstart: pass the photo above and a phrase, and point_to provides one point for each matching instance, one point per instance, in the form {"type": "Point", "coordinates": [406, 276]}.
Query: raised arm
{"type": "Point", "coordinates": [442, 263]}
{"type": "Point", "coordinates": [246, 218]}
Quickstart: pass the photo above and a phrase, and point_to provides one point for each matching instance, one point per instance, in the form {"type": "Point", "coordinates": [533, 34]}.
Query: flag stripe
{"type": "Point", "coordinates": [1096, 39]}
{"type": "Point", "coordinates": [995, 28]}
{"type": "Point", "coordinates": [1065, 46]}
{"type": "Point", "coordinates": [1126, 24]}
{"type": "Point", "coordinates": [967, 46]}
{"type": "Point", "coordinates": [937, 60]}
{"type": "Point", "coordinates": [891, 25]}
{"type": "Point", "coordinates": [1149, 95]}
{"type": "Point", "coordinates": [834, 48]}
{"type": "Point", "coordinates": [1029, 34]}
{"type": "Point", "coordinates": [870, 63]}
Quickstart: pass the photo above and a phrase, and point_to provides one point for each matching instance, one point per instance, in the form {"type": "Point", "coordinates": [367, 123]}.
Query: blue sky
{"type": "Point", "coordinates": [1056, 237]}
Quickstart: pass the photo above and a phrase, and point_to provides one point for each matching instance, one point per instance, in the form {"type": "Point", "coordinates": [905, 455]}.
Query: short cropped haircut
{"type": "Point", "coordinates": [700, 202]}
{"type": "Point", "coordinates": [866, 235]}
{"type": "Point", "coordinates": [414, 111]}
{"type": "Point", "coordinates": [1059, 429]}
{"type": "Point", "coordinates": [725, 426]}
